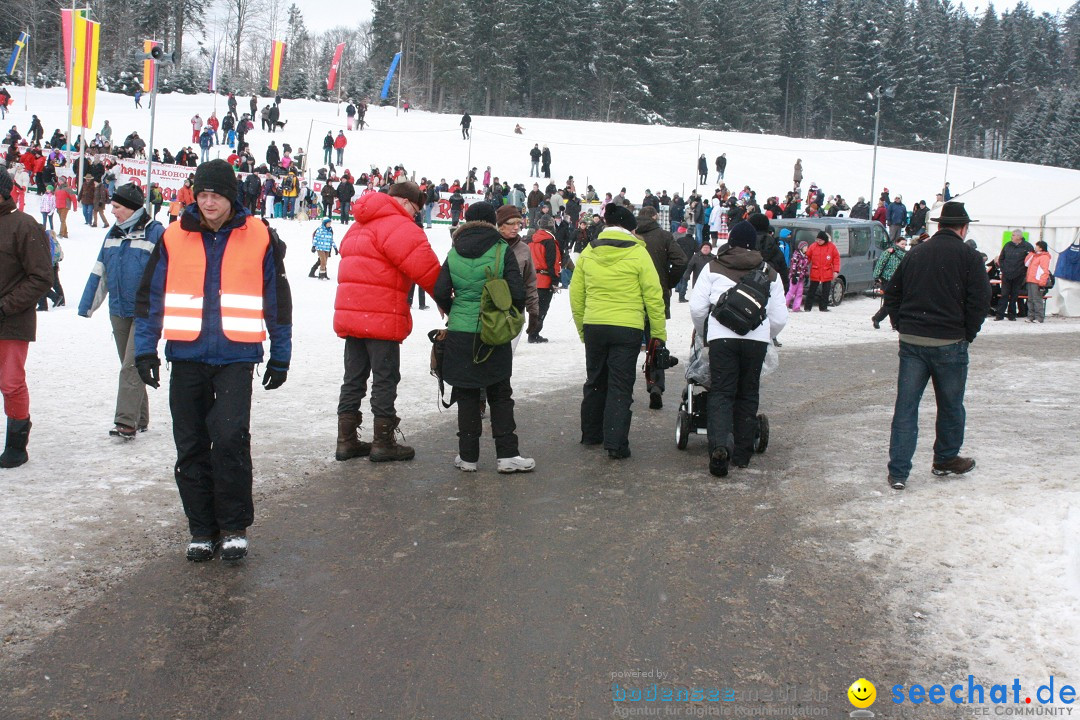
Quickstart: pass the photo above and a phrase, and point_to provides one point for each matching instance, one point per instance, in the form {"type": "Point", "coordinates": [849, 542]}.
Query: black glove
{"type": "Point", "coordinates": [336, 251]}
{"type": "Point", "coordinates": [312, 248]}
{"type": "Point", "coordinates": [148, 365]}
{"type": "Point", "coordinates": [274, 377]}
{"type": "Point", "coordinates": [534, 325]}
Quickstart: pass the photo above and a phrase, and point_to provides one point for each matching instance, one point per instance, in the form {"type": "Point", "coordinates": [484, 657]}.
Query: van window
{"type": "Point", "coordinates": [805, 235]}
{"type": "Point", "coordinates": [881, 238]}
{"type": "Point", "coordinates": [860, 240]}
{"type": "Point", "coordinates": [840, 239]}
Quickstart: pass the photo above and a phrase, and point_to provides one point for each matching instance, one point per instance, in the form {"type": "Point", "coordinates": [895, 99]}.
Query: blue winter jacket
{"type": "Point", "coordinates": [896, 214]}
{"type": "Point", "coordinates": [212, 347]}
{"type": "Point", "coordinates": [120, 263]}
{"type": "Point", "coordinates": [324, 239]}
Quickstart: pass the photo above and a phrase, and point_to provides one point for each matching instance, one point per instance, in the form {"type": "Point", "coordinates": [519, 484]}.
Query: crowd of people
{"type": "Point", "coordinates": [622, 262]}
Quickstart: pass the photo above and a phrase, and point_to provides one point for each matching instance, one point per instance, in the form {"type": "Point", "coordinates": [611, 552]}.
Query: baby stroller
{"type": "Point", "coordinates": [693, 411]}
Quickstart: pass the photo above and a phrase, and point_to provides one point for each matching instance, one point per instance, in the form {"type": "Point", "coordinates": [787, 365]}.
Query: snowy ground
{"type": "Point", "coordinates": [1002, 553]}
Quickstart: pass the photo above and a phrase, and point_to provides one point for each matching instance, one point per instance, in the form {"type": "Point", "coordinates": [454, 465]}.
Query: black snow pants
{"type": "Point", "coordinates": [211, 411]}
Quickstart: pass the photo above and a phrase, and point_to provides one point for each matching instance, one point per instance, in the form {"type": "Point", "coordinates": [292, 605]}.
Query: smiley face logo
{"type": "Point", "coordinates": [862, 693]}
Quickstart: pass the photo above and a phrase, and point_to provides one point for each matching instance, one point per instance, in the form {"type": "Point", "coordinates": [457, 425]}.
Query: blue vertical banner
{"type": "Point", "coordinates": [15, 52]}
{"type": "Point", "coordinates": [390, 76]}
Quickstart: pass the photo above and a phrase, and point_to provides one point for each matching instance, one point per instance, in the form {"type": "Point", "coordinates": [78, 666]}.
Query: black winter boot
{"type": "Point", "coordinates": [349, 444]}
{"type": "Point", "coordinates": [385, 448]}
{"type": "Point", "coordinates": [18, 434]}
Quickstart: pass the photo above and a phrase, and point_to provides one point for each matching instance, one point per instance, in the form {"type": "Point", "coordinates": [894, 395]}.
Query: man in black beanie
{"type": "Point", "coordinates": [120, 263]}
{"type": "Point", "coordinates": [734, 360]}
{"type": "Point", "coordinates": [25, 276]}
{"type": "Point", "coordinates": [769, 247]}
{"type": "Point", "coordinates": [614, 287]}
{"type": "Point", "coordinates": [225, 275]}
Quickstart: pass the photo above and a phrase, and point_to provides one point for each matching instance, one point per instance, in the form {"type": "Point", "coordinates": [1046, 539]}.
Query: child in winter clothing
{"type": "Point", "coordinates": [56, 293]}
{"type": "Point", "coordinates": [798, 275]}
{"type": "Point", "coordinates": [47, 207]}
{"type": "Point", "coordinates": [175, 208]}
{"type": "Point", "coordinates": [322, 242]}
{"type": "Point", "coordinates": [1038, 274]}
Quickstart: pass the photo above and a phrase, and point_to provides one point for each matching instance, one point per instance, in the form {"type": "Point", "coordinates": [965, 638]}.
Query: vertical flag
{"type": "Point", "coordinates": [84, 48]}
{"type": "Point", "coordinates": [390, 75]}
{"type": "Point", "coordinates": [214, 71]}
{"type": "Point", "coordinates": [149, 67]}
{"type": "Point", "coordinates": [16, 51]}
{"type": "Point", "coordinates": [66, 21]}
{"type": "Point", "coordinates": [277, 57]}
{"type": "Point", "coordinates": [331, 79]}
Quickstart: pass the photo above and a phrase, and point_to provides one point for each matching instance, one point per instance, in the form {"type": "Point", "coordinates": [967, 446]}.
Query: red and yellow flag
{"type": "Point", "coordinates": [149, 67]}
{"type": "Point", "coordinates": [277, 57]}
{"type": "Point", "coordinates": [67, 20]}
{"type": "Point", "coordinates": [84, 72]}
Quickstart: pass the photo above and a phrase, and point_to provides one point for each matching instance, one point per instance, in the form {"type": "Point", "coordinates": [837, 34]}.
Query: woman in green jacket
{"type": "Point", "coordinates": [477, 247]}
{"type": "Point", "coordinates": [614, 285]}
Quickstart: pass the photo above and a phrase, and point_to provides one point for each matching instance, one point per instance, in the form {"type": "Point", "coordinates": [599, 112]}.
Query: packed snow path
{"type": "Point", "coordinates": [412, 590]}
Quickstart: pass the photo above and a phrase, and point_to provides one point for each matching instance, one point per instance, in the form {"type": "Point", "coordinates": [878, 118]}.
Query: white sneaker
{"type": "Point", "coordinates": [464, 466]}
{"type": "Point", "coordinates": [516, 464]}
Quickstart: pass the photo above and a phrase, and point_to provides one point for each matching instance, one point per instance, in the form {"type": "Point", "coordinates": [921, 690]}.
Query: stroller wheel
{"type": "Point", "coordinates": [682, 429]}
{"type": "Point", "coordinates": [761, 440]}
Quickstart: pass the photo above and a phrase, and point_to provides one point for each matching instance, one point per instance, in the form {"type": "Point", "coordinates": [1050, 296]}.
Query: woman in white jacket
{"type": "Point", "coordinates": [734, 360]}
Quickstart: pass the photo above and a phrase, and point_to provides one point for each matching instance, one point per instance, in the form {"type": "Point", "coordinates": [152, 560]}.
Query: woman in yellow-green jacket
{"type": "Point", "coordinates": [614, 286]}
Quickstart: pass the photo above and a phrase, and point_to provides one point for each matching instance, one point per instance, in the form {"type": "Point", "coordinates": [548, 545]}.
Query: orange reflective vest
{"type": "Point", "coordinates": [241, 283]}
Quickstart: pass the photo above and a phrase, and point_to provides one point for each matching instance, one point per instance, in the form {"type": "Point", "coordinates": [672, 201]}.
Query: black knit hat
{"type": "Point", "coordinates": [618, 216]}
{"type": "Point", "coordinates": [129, 196]}
{"type": "Point", "coordinates": [216, 176]}
{"type": "Point", "coordinates": [6, 183]}
{"type": "Point", "coordinates": [743, 235]}
{"type": "Point", "coordinates": [482, 211]}
{"type": "Point", "coordinates": [760, 222]}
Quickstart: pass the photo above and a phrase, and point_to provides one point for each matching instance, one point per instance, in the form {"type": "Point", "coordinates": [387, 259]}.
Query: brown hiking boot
{"type": "Point", "coordinates": [954, 466]}
{"type": "Point", "coordinates": [349, 444]}
{"type": "Point", "coordinates": [385, 448]}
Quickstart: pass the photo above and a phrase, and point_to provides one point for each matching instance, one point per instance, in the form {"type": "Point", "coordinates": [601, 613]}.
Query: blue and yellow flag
{"type": "Point", "coordinates": [16, 52]}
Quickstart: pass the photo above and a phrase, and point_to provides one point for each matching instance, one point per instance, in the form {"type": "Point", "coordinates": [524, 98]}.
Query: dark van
{"type": "Point", "coordinates": [859, 242]}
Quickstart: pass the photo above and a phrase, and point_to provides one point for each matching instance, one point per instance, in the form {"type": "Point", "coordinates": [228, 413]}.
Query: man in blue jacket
{"type": "Point", "coordinates": [215, 287]}
{"type": "Point", "coordinates": [896, 217]}
{"type": "Point", "coordinates": [117, 273]}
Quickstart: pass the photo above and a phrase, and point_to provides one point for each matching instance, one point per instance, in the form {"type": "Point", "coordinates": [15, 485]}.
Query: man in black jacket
{"type": "Point", "coordinates": [670, 263]}
{"type": "Point", "coordinates": [534, 156]}
{"type": "Point", "coordinates": [937, 298]}
{"type": "Point", "coordinates": [860, 210]}
{"type": "Point", "coordinates": [769, 248]}
{"type": "Point", "coordinates": [345, 192]}
{"type": "Point", "coordinates": [1013, 273]}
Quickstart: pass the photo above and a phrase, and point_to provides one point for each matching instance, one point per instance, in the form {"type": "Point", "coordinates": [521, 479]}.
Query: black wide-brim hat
{"type": "Point", "coordinates": [953, 213]}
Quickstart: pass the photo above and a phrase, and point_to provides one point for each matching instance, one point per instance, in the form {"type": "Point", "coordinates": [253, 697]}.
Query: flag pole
{"type": "Point", "coordinates": [26, 73]}
{"type": "Point", "coordinates": [70, 72]}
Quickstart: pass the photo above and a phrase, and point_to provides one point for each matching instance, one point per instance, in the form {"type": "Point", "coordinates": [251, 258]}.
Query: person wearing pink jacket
{"type": "Point", "coordinates": [1038, 274]}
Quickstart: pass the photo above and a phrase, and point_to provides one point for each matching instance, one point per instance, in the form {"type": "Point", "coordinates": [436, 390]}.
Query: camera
{"type": "Point", "coordinates": [662, 358]}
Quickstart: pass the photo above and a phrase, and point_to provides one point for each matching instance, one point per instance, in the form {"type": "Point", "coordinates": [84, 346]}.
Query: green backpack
{"type": "Point", "coordinates": [499, 321]}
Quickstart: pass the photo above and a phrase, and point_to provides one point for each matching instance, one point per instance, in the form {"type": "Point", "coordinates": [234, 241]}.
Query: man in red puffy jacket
{"type": "Point", "coordinates": [382, 255]}
{"type": "Point", "coordinates": [824, 260]}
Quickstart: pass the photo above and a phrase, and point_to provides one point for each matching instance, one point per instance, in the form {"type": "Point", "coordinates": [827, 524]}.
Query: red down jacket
{"type": "Point", "coordinates": [824, 261]}
{"type": "Point", "coordinates": [382, 254]}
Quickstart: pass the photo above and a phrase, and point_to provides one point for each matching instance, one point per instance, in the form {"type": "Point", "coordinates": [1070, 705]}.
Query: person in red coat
{"type": "Point", "coordinates": [880, 214]}
{"type": "Point", "coordinates": [339, 144]}
{"type": "Point", "coordinates": [824, 268]}
{"type": "Point", "coordinates": [547, 259]}
{"type": "Point", "coordinates": [383, 253]}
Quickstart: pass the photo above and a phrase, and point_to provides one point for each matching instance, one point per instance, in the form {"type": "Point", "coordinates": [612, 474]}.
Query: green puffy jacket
{"type": "Point", "coordinates": [615, 283]}
{"type": "Point", "coordinates": [469, 278]}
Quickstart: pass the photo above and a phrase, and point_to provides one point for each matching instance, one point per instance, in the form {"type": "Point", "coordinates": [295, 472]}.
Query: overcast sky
{"type": "Point", "coordinates": [322, 15]}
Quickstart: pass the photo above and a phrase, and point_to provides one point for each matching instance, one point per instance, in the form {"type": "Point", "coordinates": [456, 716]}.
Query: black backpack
{"type": "Point", "coordinates": [743, 307]}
